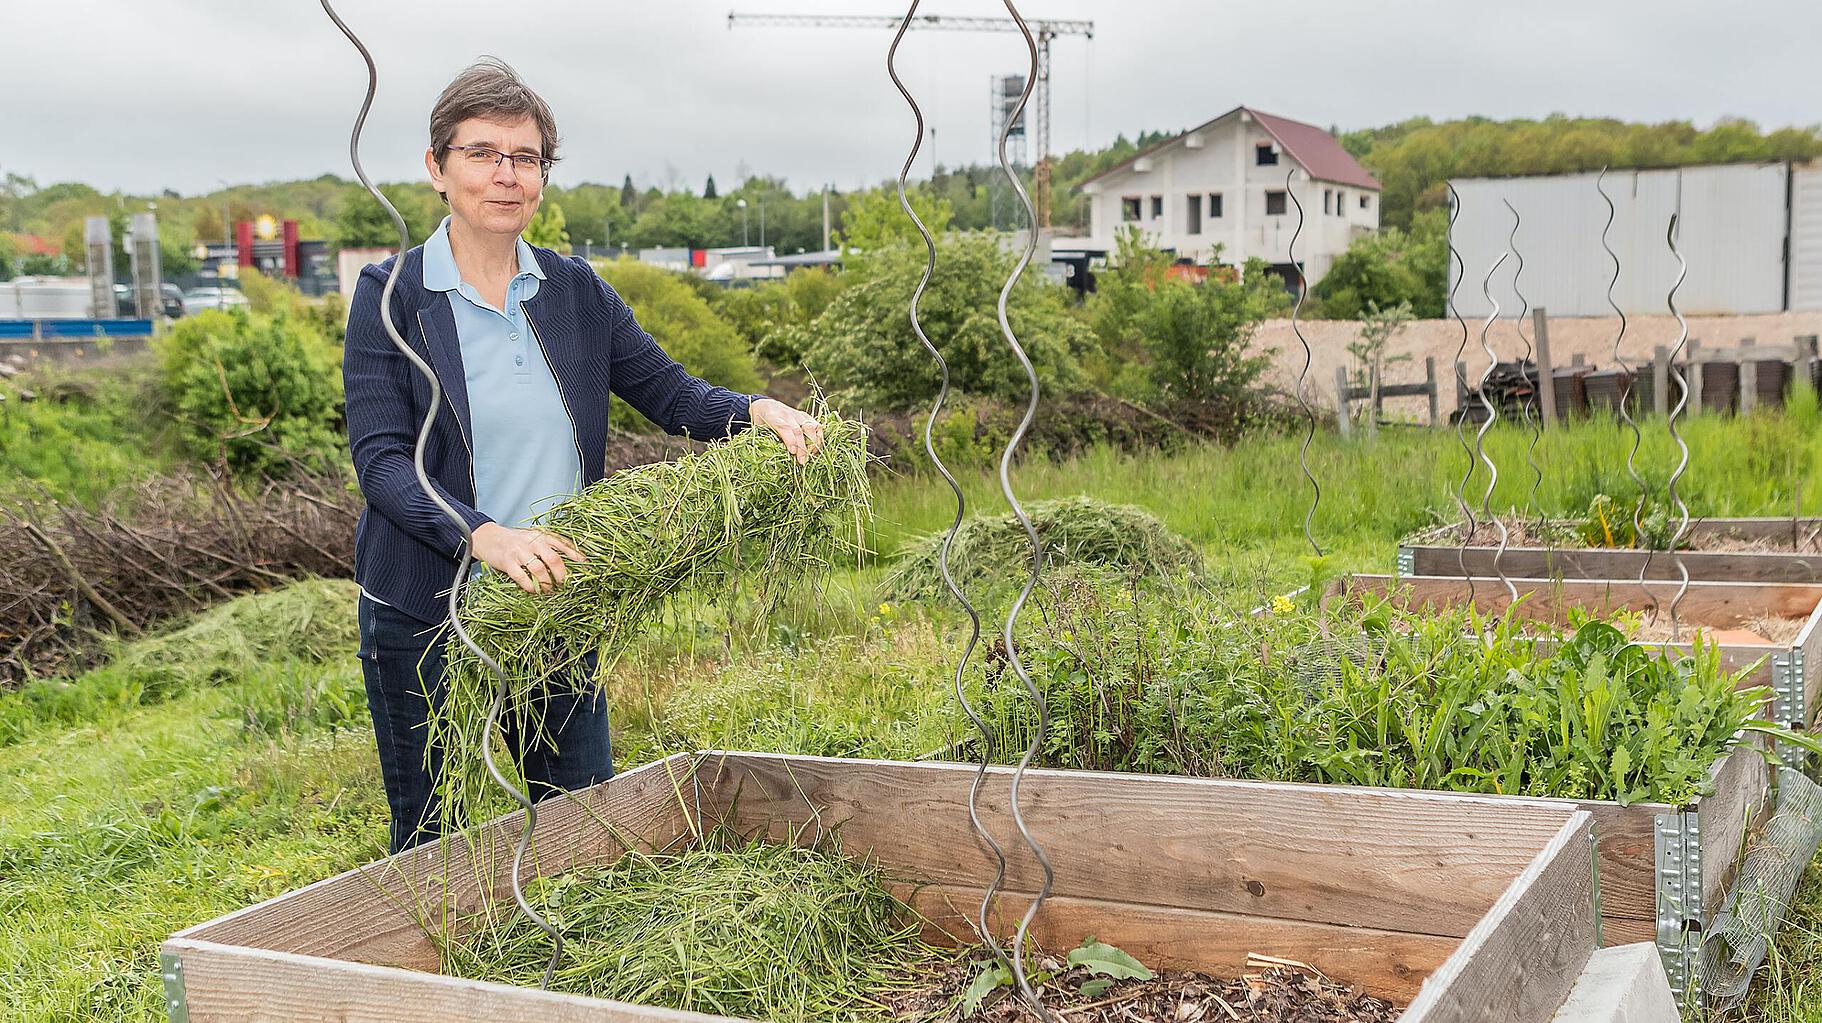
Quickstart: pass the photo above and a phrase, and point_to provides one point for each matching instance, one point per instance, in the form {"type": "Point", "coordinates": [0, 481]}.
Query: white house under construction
{"type": "Point", "coordinates": [1221, 187]}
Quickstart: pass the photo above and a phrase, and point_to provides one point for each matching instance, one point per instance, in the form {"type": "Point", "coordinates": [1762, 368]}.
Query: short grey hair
{"type": "Point", "coordinates": [489, 88]}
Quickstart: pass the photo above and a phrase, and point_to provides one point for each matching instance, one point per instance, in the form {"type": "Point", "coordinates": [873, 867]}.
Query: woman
{"type": "Point", "coordinates": [528, 346]}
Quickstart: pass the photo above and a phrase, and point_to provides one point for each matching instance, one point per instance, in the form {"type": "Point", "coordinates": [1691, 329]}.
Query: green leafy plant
{"type": "Point", "coordinates": [1368, 694]}
{"type": "Point", "coordinates": [258, 393]}
{"type": "Point", "coordinates": [862, 347]}
{"type": "Point", "coordinates": [684, 326]}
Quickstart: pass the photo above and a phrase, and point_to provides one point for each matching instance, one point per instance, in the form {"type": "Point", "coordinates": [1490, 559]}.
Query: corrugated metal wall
{"type": "Point", "coordinates": [1732, 228]}
{"type": "Point", "coordinates": [1806, 237]}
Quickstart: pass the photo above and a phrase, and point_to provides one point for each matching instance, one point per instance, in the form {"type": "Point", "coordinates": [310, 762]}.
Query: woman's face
{"type": "Point", "coordinates": [485, 196]}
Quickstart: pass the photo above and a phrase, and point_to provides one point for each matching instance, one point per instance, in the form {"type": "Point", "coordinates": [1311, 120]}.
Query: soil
{"type": "Point", "coordinates": [1277, 991]}
{"type": "Point", "coordinates": [1771, 629]}
{"type": "Point", "coordinates": [1532, 533]}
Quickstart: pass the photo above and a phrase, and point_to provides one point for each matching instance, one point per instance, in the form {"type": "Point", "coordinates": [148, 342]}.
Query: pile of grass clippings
{"type": "Point", "coordinates": [740, 517]}
{"type": "Point", "coordinates": [1073, 530]}
{"type": "Point", "coordinates": [746, 928]}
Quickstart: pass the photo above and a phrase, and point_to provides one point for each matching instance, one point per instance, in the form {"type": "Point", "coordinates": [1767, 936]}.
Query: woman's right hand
{"type": "Point", "coordinates": [534, 558]}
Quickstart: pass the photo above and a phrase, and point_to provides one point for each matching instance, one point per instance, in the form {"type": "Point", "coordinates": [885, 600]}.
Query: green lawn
{"type": "Point", "coordinates": [232, 761]}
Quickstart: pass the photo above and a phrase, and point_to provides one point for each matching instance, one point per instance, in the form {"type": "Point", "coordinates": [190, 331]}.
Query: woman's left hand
{"type": "Point", "coordinates": [801, 433]}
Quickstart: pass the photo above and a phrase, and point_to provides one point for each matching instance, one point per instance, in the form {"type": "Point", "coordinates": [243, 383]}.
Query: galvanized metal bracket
{"type": "Point", "coordinates": [176, 1002]}
{"type": "Point", "coordinates": [1407, 562]}
{"type": "Point", "coordinates": [1678, 847]}
{"type": "Point", "coordinates": [1786, 687]}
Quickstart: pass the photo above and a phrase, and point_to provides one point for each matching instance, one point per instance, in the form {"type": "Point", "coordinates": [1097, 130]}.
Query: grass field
{"type": "Point", "coordinates": [232, 760]}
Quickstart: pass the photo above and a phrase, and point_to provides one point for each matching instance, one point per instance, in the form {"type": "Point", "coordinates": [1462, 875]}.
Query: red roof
{"type": "Point", "coordinates": [35, 245]}
{"type": "Point", "coordinates": [1320, 153]}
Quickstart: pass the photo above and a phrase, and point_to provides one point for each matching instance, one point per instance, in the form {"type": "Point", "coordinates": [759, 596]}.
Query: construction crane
{"type": "Point", "coordinates": [1043, 30]}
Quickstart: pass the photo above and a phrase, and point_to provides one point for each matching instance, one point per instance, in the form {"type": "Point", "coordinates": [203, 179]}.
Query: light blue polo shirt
{"type": "Point", "coordinates": [525, 455]}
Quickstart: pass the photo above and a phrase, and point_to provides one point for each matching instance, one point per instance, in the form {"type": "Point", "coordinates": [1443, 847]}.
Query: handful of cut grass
{"type": "Point", "coordinates": [742, 513]}
{"type": "Point", "coordinates": [750, 929]}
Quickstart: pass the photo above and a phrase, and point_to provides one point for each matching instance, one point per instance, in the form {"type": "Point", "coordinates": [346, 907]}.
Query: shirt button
{"type": "Point", "coordinates": [512, 337]}
{"type": "Point", "coordinates": [518, 360]}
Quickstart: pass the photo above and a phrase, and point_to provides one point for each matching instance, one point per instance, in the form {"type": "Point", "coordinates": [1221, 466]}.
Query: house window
{"type": "Point", "coordinates": [1193, 225]}
{"type": "Point", "coordinates": [1129, 208]}
{"type": "Point", "coordinates": [1157, 207]}
{"type": "Point", "coordinates": [1363, 202]}
{"type": "Point", "coordinates": [1264, 155]}
{"type": "Point", "coordinates": [1214, 205]}
{"type": "Point", "coordinates": [1341, 204]}
{"type": "Point", "coordinates": [1274, 204]}
{"type": "Point", "coordinates": [1328, 201]}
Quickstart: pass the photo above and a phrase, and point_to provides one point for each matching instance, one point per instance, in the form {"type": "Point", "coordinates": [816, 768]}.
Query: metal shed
{"type": "Point", "coordinates": [1752, 234]}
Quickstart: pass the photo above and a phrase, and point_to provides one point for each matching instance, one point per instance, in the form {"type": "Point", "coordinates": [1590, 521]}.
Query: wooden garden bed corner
{"type": "Point", "coordinates": [1664, 870]}
{"type": "Point", "coordinates": [1463, 907]}
{"type": "Point", "coordinates": [1792, 669]}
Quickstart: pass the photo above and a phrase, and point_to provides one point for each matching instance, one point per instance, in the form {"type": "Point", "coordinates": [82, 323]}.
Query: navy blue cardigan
{"type": "Point", "coordinates": [405, 548]}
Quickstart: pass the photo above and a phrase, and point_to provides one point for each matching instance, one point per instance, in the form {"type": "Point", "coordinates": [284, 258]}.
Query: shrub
{"type": "Point", "coordinates": [682, 322]}
{"type": "Point", "coordinates": [760, 314]}
{"type": "Point", "coordinates": [863, 351]}
{"type": "Point", "coordinates": [1384, 269]}
{"type": "Point", "coordinates": [259, 393]}
{"type": "Point", "coordinates": [1176, 342]}
{"type": "Point", "coordinates": [85, 433]}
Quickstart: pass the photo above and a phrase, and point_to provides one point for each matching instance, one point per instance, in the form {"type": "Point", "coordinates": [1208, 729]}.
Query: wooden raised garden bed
{"type": "Point", "coordinates": [1790, 661]}
{"type": "Point", "coordinates": [1761, 550]}
{"type": "Point", "coordinates": [1652, 855]}
{"type": "Point", "coordinates": [1461, 907]}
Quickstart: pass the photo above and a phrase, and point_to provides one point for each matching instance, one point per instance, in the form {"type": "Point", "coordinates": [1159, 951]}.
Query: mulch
{"type": "Point", "coordinates": [1274, 991]}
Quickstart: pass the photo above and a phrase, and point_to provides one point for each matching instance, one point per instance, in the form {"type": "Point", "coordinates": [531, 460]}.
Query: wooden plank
{"type": "Point", "coordinates": [1342, 393]}
{"type": "Point", "coordinates": [1624, 842]}
{"type": "Point", "coordinates": [1611, 563]}
{"type": "Point", "coordinates": [1546, 370]}
{"type": "Point", "coordinates": [1776, 528]}
{"type": "Point", "coordinates": [1809, 643]}
{"type": "Point", "coordinates": [371, 914]}
{"type": "Point", "coordinates": [1520, 962]}
{"type": "Point", "coordinates": [229, 984]}
{"type": "Point", "coordinates": [1327, 854]}
{"type": "Point", "coordinates": [1714, 604]}
{"type": "Point", "coordinates": [1742, 784]}
{"type": "Point", "coordinates": [1390, 964]}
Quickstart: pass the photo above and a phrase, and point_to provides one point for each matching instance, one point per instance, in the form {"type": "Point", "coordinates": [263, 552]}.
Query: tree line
{"type": "Point", "coordinates": [1412, 159]}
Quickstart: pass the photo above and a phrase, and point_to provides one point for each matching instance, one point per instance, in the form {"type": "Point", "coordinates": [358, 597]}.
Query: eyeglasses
{"type": "Point", "coordinates": [482, 156]}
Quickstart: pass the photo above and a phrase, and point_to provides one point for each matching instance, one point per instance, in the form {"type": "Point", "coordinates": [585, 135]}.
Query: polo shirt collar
{"type": "Point", "coordinates": [440, 273]}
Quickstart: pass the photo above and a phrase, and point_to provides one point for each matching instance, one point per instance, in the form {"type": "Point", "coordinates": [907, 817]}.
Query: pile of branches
{"type": "Point", "coordinates": [74, 577]}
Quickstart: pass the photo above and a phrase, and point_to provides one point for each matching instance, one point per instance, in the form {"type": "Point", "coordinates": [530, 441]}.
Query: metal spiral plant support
{"type": "Point", "coordinates": [466, 559]}
{"type": "Point", "coordinates": [1468, 522]}
{"type": "Point", "coordinates": [1303, 451]}
{"type": "Point", "coordinates": [1480, 436]}
{"type": "Point", "coordinates": [1625, 398]}
{"type": "Point", "coordinates": [1534, 427]}
{"type": "Point", "coordinates": [955, 590]}
{"type": "Point", "coordinates": [1031, 533]}
{"type": "Point", "coordinates": [1682, 402]}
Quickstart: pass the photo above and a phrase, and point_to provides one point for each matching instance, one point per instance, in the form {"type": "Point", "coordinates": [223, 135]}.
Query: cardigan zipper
{"type": "Point", "coordinates": [575, 436]}
{"type": "Point", "coordinates": [474, 488]}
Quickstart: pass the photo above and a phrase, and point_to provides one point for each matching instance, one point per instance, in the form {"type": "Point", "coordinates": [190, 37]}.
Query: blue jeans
{"type": "Point", "coordinates": [402, 664]}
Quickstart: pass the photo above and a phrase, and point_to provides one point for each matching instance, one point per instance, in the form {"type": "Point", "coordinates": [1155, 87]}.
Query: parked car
{"type": "Point", "coordinates": [171, 303]}
{"type": "Point", "coordinates": [198, 299]}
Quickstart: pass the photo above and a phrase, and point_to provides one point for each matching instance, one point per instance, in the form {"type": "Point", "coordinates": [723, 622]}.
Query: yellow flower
{"type": "Point", "coordinates": [1281, 605]}
{"type": "Point", "coordinates": [885, 609]}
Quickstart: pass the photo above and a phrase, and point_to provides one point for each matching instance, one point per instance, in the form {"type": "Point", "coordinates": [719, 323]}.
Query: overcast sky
{"type": "Point", "coordinates": [148, 94]}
